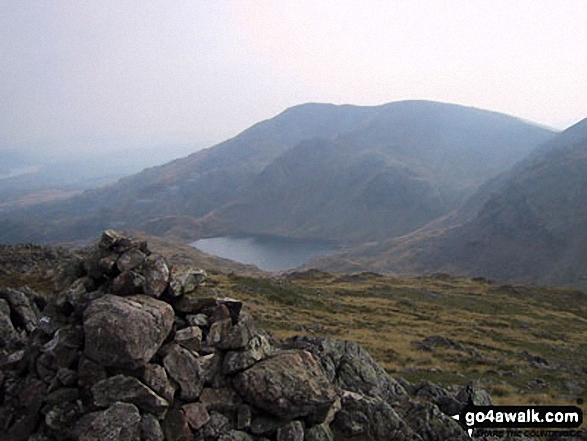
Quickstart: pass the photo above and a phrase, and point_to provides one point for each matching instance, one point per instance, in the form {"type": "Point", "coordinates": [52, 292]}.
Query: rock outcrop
{"type": "Point", "coordinates": [127, 351]}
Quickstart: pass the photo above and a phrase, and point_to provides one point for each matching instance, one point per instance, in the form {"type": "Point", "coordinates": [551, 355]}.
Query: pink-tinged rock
{"type": "Point", "coordinates": [196, 415]}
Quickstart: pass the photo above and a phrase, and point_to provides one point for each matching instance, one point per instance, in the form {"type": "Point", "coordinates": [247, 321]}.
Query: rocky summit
{"type": "Point", "coordinates": [126, 349]}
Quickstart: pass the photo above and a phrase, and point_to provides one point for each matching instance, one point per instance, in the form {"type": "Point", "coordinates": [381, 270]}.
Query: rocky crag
{"type": "Point", "coordinates": [127, 350]}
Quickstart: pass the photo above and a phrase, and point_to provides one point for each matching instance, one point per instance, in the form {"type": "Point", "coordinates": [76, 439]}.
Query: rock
{"type": "Point", "coordinates": [257, 349]}
{"type": "Point", "coordinates": [175, 426]}
{"type": "Point", "coordinates": [126, 332]}
{"type": "Point", "coordinates": [321, 432]}
{"type": "Point", "coordinates": [25, 314]}
{"type": "Point", "coordinates": [190, 281]}
{"type": "Point", "coordinates": [156, 276]}
{"type": "Point", "coordinates": [372, 417]}
{"type": "Point", "coordinates": [292, 431]}
{"type": "Point", "coordinates": [200, 320]}
{"type": "Point", "coordinates": [63, 416]}
{"type": "Point", "coordinates": [237, 336]}
{"type": "Point", "coordinates": [89, 372]}
{"type": "Point", "coordinates": [266, 425]}
{"type": "Point", "coordinates": [222, 400]}
{"type": "Point", "coordinates": [194, 304]}
{"type": "Point", "coordinates": [67, 377]}
{"type": "Point", "coordinates": [218, 331]}
{"type": "Point", "coordinates": [289, 385]}
{"type": "Point", "coordinates": [244, 417]}
{"type": "Point", "coordinates": [189, 338]}
{"type": "Point", "coordinates": [8, 335]}
{"type": "Point", "coordinates": [150, 428]}
{"type": "Point", "coordinates": [217, 426]}
{"type": "Point", "coordinates": [183, 367]}
{"type": "Point", "coordinates": [130, 260]}
{"type": "Point", "coordinates": [236, 435]}
{"type": "Point", "coordinates": [64, 346]}
{"type": "Point", "coordinates": [128, 390]}
{"type": "Point", "coordinates": [63, 395]}
{"type": "Point", "coordinates": [351, 368]}
{"type": "Point", "coordinates": [156, 378]}
{"type": "Point", "coordinates": [128, 283]}
{"type": "Point", "coordinates": [121, 422]}
{"type": "Point", "coordinates": [221, 312]}
{"type": "Point", "coordinates": [196, 415]}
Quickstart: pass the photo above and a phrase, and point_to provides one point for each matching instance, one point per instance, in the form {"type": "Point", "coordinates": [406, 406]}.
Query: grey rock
{"type": "Point", "coordinates": [292, 431]}
{"type": "Point", "coordinates": [156, 274]}
{"type": "Point", "coordinates": [126, 332]}
{"type": "Point", "coordinates": [185, 369]}
{"type": "Point", "coordinates": [128, 283]}
{"type": "Point", "coordinates": [258, 348]}
{"type": "Point", "coordinates": [266, 425]}
{"type": "Point", "coordinates": [218, 331]}
{"type": "Point", "coordinates": [130, 260]}
{"type": "Point", "coordinates": [89, 372]}
{"type": "Point", "coordinates": [128, 390]}
{"type": "Point", "coordinates": [350, 367]}
{"type": "Point", "coordinates": [200, 320]}
{"type": "Point", "coordinates": [67, 377]}
{"type": "Point", "coordinates": [150, 428]}
{"type": "Point", "coordinates": [321, 432]}
{"type": "Point", "coordinates": [189, 338]}
{"type": "Point", "coordinates": [217, 426]}
{"type": "Point", "coordinates": [195, 303]}
{"type": "Point", "coordinates": [244, 417]}
{"type": "Point", "coordinates": [120, 422]}
{"type": "Point", "coordinates": [238, 335]}
{"type": "Point", "coordinates": [25, 315]}
{"type": "Point", "coordinates": [236, 435]}
{"type": "Point", "coordinates": [63, 416]}
{"type": "Point", "coordinates": [288, 385]}
{"type": "Point", "coordinates": [64, 346]}
{"type": "Point", "coordinates": [8, 335]}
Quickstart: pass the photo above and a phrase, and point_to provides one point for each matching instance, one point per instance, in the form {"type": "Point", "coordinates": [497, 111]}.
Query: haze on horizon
{"type": "Point", "coordinates": [100, 76]}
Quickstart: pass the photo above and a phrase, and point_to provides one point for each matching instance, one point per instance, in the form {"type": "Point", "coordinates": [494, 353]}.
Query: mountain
{"type": "Point", "coordinates": [528, 225]}
{"type": "Point", "coordinates": [343, 173]}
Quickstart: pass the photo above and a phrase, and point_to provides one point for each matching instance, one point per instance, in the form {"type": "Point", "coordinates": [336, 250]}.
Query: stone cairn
{"type": "Point", "coordinates": [128, 351]}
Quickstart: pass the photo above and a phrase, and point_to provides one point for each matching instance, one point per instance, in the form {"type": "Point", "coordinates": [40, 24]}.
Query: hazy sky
{"type": "Point", "coordinates": [92, 75]}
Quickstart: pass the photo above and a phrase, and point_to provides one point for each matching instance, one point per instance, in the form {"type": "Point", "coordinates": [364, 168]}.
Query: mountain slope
{"type": "Point", "coordinates": [344, 173]}
{"type": "Point", "coordinates": [529, 225]}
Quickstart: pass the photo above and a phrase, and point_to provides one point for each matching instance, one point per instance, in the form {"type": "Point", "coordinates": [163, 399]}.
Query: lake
{"type": "Point", "coordinates": [269, 253]}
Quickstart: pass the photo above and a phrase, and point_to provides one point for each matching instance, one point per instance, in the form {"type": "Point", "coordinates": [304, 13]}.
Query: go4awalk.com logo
{"type": "Point", "coordinates": [516, 417]}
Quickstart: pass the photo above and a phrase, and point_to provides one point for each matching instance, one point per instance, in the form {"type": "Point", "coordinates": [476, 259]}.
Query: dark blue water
{"type": "Point", "coordinates": [268, 253]}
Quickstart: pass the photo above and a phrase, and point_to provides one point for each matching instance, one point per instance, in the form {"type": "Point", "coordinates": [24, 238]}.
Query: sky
{"type": "Point", "coordinates": [100, 76]}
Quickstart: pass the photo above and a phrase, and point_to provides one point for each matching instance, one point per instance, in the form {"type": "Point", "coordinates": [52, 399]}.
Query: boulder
{"type": "Point", "coordinates": [121, 422]}
{"type": "Point", "coordinates": [185, 369]}
{"type": "Point", "coordinates": [292, 431]}
{"type": "Point", "coordinates": [25, 314]}
{"type": "Point", "coordinates": [196, 415]}
{"type": "Point", "coordinates": [125, 332]}
{"type": "Point", "coordinates": [150, 428]}
{"type": "Point", "coordinates": [289, 385]}
{"type": "Point", "coordinates": [128, 390]}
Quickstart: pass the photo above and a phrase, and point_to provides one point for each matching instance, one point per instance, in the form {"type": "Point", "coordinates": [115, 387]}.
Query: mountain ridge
{"type": "Point", "coordinates": [527, 225]}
